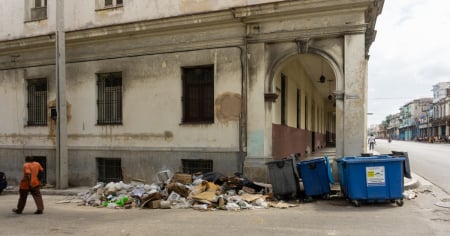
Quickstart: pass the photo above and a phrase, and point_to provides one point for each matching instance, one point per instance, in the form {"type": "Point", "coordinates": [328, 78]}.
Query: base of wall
{"type": "Point", "coordinates": [143, 165]}
{"type": "Point", "coordinates": [255, 169]}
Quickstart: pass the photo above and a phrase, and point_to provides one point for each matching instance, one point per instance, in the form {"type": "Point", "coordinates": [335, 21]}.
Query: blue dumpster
{"type": "Point", "coordinates": [314, 174]}
{"type": "Point", "coordinates": [372, 179]}
{"type": "Point", "coordinates": [283, 179]}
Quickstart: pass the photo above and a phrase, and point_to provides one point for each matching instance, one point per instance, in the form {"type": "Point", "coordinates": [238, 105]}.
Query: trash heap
{"type": "Point", "coordinates": [210, 191]}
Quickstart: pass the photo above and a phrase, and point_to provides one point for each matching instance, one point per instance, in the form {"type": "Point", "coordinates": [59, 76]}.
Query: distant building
{"type": "Point", "coordinates": [393, 126]}
{"type": "Point", "coordinates": [440, 110]}
{"type": "Point", "coordinates": [440, 90]}
{"type": "Point", "coordinates": [411, 115]}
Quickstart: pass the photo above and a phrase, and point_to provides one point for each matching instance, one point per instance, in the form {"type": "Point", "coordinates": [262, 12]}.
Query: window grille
{"type": "Point", "coordinates": [112, 3]}
{"type": "Point", "coordinates": [198, 94]}
{"type": "Point", "coordinates": [192, 166]}
{"type": "Point", "coordinates": [109, 102]}
{"type": "Point", "coordinates": [40, 3]}
{"type": "Point", "coordinates": [39, 10]}
{"type": "Point", "coordinates": [109, 169]}
{"type": "Point", "coordinates": [108, 3]}
{"type": "Point", "coordinates": [37, 102]}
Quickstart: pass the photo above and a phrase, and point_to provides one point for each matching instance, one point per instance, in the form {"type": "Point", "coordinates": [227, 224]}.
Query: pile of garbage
{"type": "Point", "coordinates": [210, 191]}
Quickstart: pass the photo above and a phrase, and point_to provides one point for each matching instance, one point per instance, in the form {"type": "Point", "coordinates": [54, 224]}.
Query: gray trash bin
{"type": "Point", "coordinates": [406, 168]}
{"type": "Point", "coordinates": [283, 178]}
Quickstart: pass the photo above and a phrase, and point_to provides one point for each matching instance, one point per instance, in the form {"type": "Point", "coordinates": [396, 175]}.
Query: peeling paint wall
{"type": "Point", "coordinates": [82, 14]}
{"type": "Point", "coordinates": [149, 42]}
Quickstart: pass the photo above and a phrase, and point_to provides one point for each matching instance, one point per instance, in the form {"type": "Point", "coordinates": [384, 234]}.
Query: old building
{"type": "Point", "coordinates": [392, 126]}
{"type": "Point", "coordinates": [412, 117]}
{"type": "Point", "coordinates": [180, 85]}
{"type": "Point", "coordinates": [440, 111]}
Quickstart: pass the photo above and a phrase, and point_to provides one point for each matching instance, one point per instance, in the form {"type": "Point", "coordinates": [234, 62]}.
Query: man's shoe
{"type": "Point", "coordinates": [38, 212]}
{"type": "Point", "coordinates": [15, 210]}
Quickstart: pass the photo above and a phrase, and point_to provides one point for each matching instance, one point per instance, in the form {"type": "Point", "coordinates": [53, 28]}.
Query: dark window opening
{"type": "Point", "coordinates": [306, 113]}
{"type": "Point", "coordinates": [109, 170]}
{"type": "Point", "coordinates": [42, 175]}
{"type": "Point", "coordinates": [109, 101]}
{"type": "Point", "coordinates": [40, 3]}
{"type": "Point", "coordinates": [192, 166]}
{"type": "Point", "coordinates": [37, 102]}
{"type": "Point", "coordinates": [298, 108]}
{"type": "Point", "coordinates": [108, 3]}
{"type": "Point", "coordinates": [198, 94]}
{"type": "Point", "coordinates": [283, 99]}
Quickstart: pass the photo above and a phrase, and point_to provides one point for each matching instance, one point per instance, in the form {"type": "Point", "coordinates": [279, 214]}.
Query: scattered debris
{"type": "Point", "coordinates": [209, 191]}
{"type": "Point", "coordinates": [409, 194]}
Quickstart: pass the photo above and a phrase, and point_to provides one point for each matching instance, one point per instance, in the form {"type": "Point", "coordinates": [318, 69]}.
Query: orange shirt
{"type": "Point", "coordinates": [32, 168]}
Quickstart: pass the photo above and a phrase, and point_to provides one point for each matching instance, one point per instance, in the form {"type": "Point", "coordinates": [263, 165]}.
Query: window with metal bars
{"type": "Point", "coordinates": [38, 10]}
{"type": "Point", "coordinates": [113, 3]}
{"type": "Point", "coordinates": [109, 101]}
{"type": "Point", "coordinates": [37, 102]}
{"type": "Point", "coordinates": [192, 166]}
{"type": "Point", "coordinates": [198, 94]}
{"type": "Point", "coordinates": [109, 169]}
{"type": "Point", "coordinates": [40, 3]}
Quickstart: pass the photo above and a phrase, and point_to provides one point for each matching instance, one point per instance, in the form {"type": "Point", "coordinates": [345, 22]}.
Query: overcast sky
{"type": "Point", "coordinates": [410, 54]}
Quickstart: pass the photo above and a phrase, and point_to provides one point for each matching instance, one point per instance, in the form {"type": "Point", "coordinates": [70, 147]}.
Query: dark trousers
{"type": "Point", "coordinates": [23, 194]}
{"type": "Point", "coordinates": [371, 146]}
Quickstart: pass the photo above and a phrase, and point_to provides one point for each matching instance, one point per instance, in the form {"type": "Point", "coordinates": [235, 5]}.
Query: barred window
{"type": "Point", "coordinates": [40, 3]}
{"type": "Point", "coordinates": [110, 3]}
{"type": "Point", "coordinates": [109, 169]}
{"type": "Point", "coordinates": [38, 10]}
{"type": "Point", "coordinates": [198, 94]}
{"type": "Point", "coordinates": [109, 101]}
{"type": "Point", "coordinates": [37, 102]}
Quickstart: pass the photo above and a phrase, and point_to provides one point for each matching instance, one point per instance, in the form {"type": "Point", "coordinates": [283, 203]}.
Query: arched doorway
{"type": "Point", "coordinates": [304, 114]}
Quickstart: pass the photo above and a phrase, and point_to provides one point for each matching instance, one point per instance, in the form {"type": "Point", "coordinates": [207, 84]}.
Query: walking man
{"type": "Point", "coordinates": [30, 183]}
{"type": "Point", "coordinates": [371, 142]}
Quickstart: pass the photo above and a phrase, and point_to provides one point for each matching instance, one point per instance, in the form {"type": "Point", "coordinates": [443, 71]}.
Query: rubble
{"type": "Point", "coordinates": [210, 191]}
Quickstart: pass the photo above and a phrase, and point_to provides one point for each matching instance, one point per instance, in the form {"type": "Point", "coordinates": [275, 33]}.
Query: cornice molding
{"type": "Point", "coordinates": [307, 33]}
{"type": "Point", "coordinates": [232, 18]}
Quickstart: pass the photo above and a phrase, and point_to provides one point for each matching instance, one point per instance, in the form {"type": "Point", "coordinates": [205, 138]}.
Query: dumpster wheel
{"type": "Point", "coordinates": [399, 202]}
{"type": "Point", "coordinates": [356, 203]}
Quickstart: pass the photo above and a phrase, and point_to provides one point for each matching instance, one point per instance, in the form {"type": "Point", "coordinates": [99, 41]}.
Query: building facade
{"type": "Point", "coordinates": [393, 125]}
{"type": "Point", "coordinates": [439, 112]}
{"type": "Point", "coordinates": [180, 85]}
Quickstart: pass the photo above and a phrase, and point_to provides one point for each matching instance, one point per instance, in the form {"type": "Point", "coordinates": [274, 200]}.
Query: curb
{"type": "Point", "coordinates": [411, 184]}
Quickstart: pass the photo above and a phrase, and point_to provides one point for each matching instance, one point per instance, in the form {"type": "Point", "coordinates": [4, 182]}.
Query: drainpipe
{"type": "Point", "coordinates": [243, 114]}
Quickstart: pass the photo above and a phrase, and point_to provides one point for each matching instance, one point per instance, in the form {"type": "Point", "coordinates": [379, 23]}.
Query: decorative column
{"type": "Point", "coordinates": [259, 129]}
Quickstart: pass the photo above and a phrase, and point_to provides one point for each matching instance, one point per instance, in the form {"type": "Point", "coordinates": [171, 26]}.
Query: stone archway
{"type": "Point", "coordinates": [347, 59]}
{"type": "Point", "coordinates": [317, 126]}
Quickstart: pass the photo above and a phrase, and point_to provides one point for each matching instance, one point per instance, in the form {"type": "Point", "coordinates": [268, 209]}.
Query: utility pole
{"type": "Point", "coordinates": [62, 163]}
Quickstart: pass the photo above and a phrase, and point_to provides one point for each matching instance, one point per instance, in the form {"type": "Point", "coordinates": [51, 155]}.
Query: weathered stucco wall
{"type": "Point", "coordinates": [249, 47]}
{"type": "Point", "coordinates": [152, 102]}
{"type": "Point", "coordinates": [82, 14]}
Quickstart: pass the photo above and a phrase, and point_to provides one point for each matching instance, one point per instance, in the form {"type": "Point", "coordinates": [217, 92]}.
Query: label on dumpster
{"type": "Point", "coordinates": [375, 176]}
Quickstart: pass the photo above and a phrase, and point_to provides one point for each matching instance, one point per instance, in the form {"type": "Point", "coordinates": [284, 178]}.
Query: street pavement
{"type": "Point", "coordinates": [336, 216]}
{"type": "Point", "coordinates": [425, 212]}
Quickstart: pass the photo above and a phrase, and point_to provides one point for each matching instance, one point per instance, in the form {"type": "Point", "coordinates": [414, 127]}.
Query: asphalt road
{"type": "Point", "coordinates": [430, 161]}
